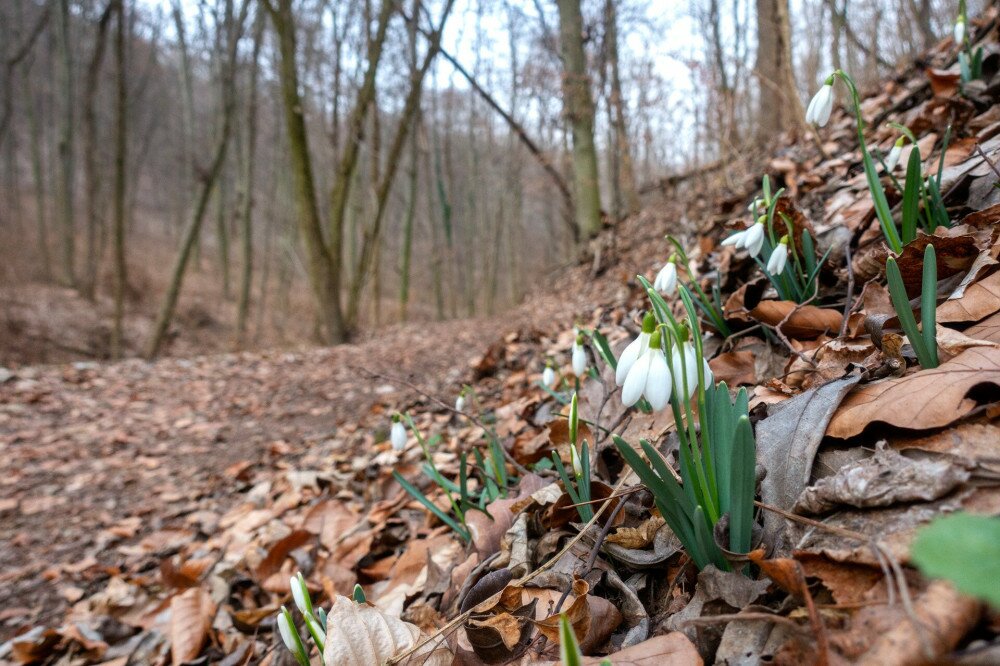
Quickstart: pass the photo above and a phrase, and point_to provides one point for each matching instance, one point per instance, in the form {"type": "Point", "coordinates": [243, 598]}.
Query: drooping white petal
{"type": "Point", "coordinates": [657, 390]}
{"type": "Point", "coordinates": [577, 463]}
{"type": "Point", "coordinates": [820, 106]}
{"type": "Point", "coordinates": [959, 32]}
{"type": "Point", "coordinates": [688, 369]}
{"type": "Point", "coordinates": [666, 279]}
{"type": "Point", "coordinates": [579, 360]}
{"type": "Point", "coordinates": [893, 158]}
{"type": "Point", "coordinates": [460, 403]}
{"type": "Point", "coordinates": [779, 257]}
{"type": "Point", "coordinates": [635, 382]}
{"type": "Point", "coordinates": [707, 372]}
{"type": "Point", "coordinates": [735, 240]}
{"type": "Point", "coordinates": [286, 631]}
{"type": "Point", "coordinates": [398, 436]}
{"type": "Point", "coordinates": [629, 355]}
{"type": "Point", "coordinates": [548, 376]}
{"type": "Point", "coordinates": [754, 239]}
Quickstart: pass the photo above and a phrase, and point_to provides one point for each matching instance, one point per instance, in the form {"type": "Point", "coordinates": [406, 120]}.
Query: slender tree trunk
{"type": "Point", "coordinates": [67, 152]}
{"type": "Point", "coordinates": [779, 106]}
{"type": "Point", "coordinates": [90, 141]}
{"type": "Point", "coordinates": [411, 203]}
{"type": "Point", "coordinates": [186, 180]}
{"type": "Point", "coordinates": [579, 110]}
{"type": "Point", "coordinates": [121, 136]}
{"type": "Point", "coordinates": [622, 145]}
{"type": "Point", "coordinates": [246, 215]}
{"type": "Point", "coordinates": [222, 228]}
{"type": "Point", "coordinates": [232, 32]}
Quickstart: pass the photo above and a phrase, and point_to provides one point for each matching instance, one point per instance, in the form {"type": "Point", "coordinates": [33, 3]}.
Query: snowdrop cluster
{"type": "Point", "coordinates": [821, 105]}
{"type": "Point", "coordinates": [315, 625]}
{"type": "Point", "coordinates": [751, 238]}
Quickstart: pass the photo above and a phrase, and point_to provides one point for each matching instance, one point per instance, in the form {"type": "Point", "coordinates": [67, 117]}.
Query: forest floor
{"type": "Point", "coordinates": [154, 511]}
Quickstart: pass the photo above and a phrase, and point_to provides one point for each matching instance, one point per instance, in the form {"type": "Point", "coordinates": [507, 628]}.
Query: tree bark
{"type": "Point", "coordinates": [779, 106]}
{"type": "Point", "coordinates": [121, 135]}
{"type": "Point", "coordinates": [66, 147]}
{"type": "Point", "coordinates": [579, 110]}
{"type": "Point", "coordinates": [622, 145]}
{"type": "Point", "coordinates": [246, 215]}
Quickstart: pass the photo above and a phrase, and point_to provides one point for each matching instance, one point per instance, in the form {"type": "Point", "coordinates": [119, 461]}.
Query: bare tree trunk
{"type": "Point", "coordinates": [90, 140]}
{"type": "Point", "coordinates": [67, 172]}
{"type": "Point", "coordinates": [232, 32]}
{"type": "Point", "coordinates": [121, 135]}
{"type": "Point", "coordinates": [622, 146]}
{"type": "Point", "coordinates": [921, 10]}
{"type": "Point", "coordinates": [779, 106]}
{"type": "Point", "coordinates": [579, 110]}
{"type": "Point", "coordinates": [246, 215]}
{"type": "Point", "coordinates": [187, 115]}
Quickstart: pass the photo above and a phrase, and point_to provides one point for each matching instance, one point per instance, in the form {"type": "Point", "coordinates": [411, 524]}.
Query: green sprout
{"type": "Point", "coordinates": [924, 342]}
{"type": "Point", "coordinates": [577, 487]}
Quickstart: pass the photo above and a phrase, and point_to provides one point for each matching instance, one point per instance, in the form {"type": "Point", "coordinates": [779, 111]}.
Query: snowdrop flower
{"type": "Point", "coordinates": [398, 434]}
{"type": "Point", "coordinates": [579, 356]}
{"type": "Point", "coordinates": [649, 376]}
{"type": "Point", "coordinates": [300, 594]}
{"type": "Point", "coordinates": [666, 279]}
{"type": "Point", "coordinates": [635, 349]}
{"type": "Point", "coordinates": [756, 205]}
{"type": "Point", "coordinates": [893, 158]}
{"type": "Point", "coordinates": [577, 464]}
{"type": "Point", "coordinates": [460, 401]}
{"type": "Point", "coordinates": [548, 375]}
{"type": "Point", "coordinates": [960, 30]}
{"type": "Point", "coordinates": [684, 366]}
{"type": "Point", "coordinates": [752, 238]}
{"type": "Point", "coordinates": [821, 104]}
{"type": "Point", "coordinates": [290, 637]}
{"type": "Point", "coordinates": [779, 257]}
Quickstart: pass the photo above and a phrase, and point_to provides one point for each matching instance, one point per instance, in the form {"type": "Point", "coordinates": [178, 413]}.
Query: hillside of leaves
{"type": "Point", "coordinates": [154, 513]}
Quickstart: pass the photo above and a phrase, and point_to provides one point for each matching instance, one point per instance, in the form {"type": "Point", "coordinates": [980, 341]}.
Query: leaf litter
{"type": "Point", "coordinates": [154, 513]}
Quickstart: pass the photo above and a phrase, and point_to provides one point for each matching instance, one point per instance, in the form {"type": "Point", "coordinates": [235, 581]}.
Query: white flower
{"type": "Point", "coordinates": [398, 435]}
{"type": "Point", "coordinates": [635, 349]}
{"type": "Point", "coordinates": [300, 593]}
{"type": "Point", "coordinates": [894, 154]}
{"type": "Point", "coordinates": [960, 30]}
{"type": "Point", "coordinates": [779, 257]}
{"type": "Point", "coordinates": [752, 238]}
{"type": "Point", "coordinates": [687, 368]}
{"type": "Point", "coordinates": [756, 205]}
{"type": "Point", "coordinates": [649, 376]}
{"type": "Point", "coordinates": [821, 105]}
{"type": "Point", "coordinates": [286, 631]}
{"type": "Point", "coordinates": [548, 376]}
{"type": "Point", "coordinates": [577, 465]}
{"type": "Point", "coordinates": [666, 279]}
{"type": "Point", "coordinates": [579, 357]}
{"type": "Point", "coordinates": [460, 403]}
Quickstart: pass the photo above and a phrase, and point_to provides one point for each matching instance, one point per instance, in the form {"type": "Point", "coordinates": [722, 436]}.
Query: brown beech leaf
{"type": "Point", "coordinates": [806, 322]}
{"type": "Point", "coordinates": [955, 254]}
{"type": "Point", "coordinates": [926, 399]}
{"type": "Point", "coordinates": [578, 615]}
{"type": "Point", "coordinates": [734, 368]}
{"type": "Point", "coordinates": [191, 616]}
{"type": "Point", "coordinates": [980, 300]}
{"type": "Point", "coordinates": [988, 329]}
{"type": "Point", "coordinates": [504, 624]}
{"type": "Point", "coordinates": [361, 634]}
{"type": "Point", "coordinates": [277, 553]}
{"type": "Point", "coordinates": [944, 82]}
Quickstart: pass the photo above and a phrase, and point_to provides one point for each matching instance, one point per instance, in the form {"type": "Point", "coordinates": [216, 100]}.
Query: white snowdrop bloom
{"type": "Point", "coordinates": [756, 205]}
{"type": "Point", "coordinates": [577, 463]}
{"type": "Point", "coordinates": [398, 435]}
{"type": "Point", "coordinates": [960, 30]}
{"type": "Point", "coordinates": [754, 239]}
{"type": "Point", "coordinates": [579, 357]}
{"type": "Point", "coordinates": [666, 279]}
{"type": "Point", "coordinates": [821, 105]}
{"type": "Point", "coordinates": [892, 159]}
{"type": "Point", "coordinates": [648, 377]}
{"type": "Point", "coordinates": [460, 403]}
{"type": "Point", "coordinates": [635, 349]}
{"type": "Point", "coordinates": [548, 376]}
{"type": "Point", "coordinates": [286, 631]}
{"type": "Point", "coordinates": [779, 257]}
{"type": "Point", "coordinates": [300, 593]}
{"type": "Point", "coordinates": [751, 238]}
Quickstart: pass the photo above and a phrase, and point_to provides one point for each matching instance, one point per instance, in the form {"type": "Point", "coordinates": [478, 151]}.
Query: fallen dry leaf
{"type": "Point", "coordinates": [804, 322]}
{"type": "Point", "coordinates": [191, 614]}
{"type": "Point", "coordinates": [932, 398]}
{"type": "Point", "coordinates": [734, 368]}
{"type": "Point", "coordinates": [979, 300]}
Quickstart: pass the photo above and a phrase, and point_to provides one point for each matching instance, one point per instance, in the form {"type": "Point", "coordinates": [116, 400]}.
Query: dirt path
{"type": "Point", "coordinates": [93, 454]}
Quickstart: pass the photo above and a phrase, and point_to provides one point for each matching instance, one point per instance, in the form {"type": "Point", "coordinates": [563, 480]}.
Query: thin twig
{"type": "Point", "coordinates": [850, 289]}
{"type": "Point", "coordinates": [993, 166]}
{"type": "Point", "coordinates": [747, 616]}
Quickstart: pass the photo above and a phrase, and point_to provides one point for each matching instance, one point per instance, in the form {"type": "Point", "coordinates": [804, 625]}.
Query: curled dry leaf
{"type": "Point", "coordinates": [578, 615]}
{"type": "Point", "coordinates": [804, 322]}
{"type": "Point", "coordinates": [362, 635]}
{"type": "Point", "coordinates": [955, 254]}
{"type": "Point", "coordinates": [734, 368]}
{"type": "Point", "coordinates": [933, 398]}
